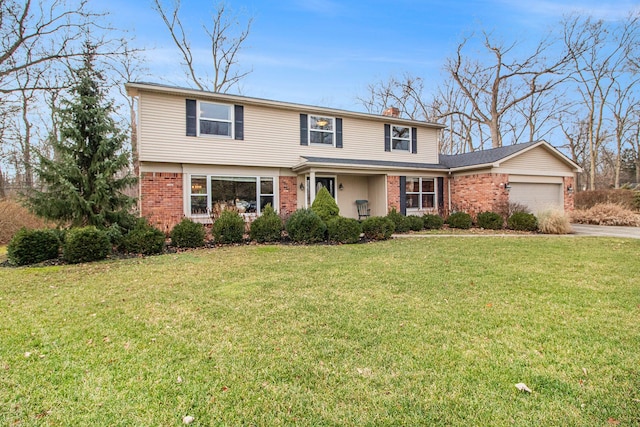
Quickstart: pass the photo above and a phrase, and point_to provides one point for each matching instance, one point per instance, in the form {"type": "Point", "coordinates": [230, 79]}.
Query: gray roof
{"type": "Point", "coordinates": [483, 157]}
{"type": "Point", "coordinates": [382, 163]}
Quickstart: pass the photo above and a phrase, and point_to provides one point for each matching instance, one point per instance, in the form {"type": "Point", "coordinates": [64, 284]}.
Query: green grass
{"type": "Point", "coordinates": [404, 332]}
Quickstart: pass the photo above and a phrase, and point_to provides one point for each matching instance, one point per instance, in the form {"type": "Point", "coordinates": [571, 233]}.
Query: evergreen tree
{"type": "Point", "coordinates": [84, 183]}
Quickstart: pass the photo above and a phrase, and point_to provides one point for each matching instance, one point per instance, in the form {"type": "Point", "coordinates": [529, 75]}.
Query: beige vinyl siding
{"type": "Point", "coordinates": [271, 138]}
{"type": "Point", "coordinates": [537, 161]}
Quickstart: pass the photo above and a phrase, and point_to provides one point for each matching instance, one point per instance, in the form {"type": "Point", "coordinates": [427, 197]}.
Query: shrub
{"type": "Point", "coordinates": [13, 217]}
{"type": "Point", "coordinates": [606, 214]}
{"type": "Point", "coordinates": [344, 230]}
{"type": "Point", "coordinates": [33, 246]}
{"type": "Point", "coordinates": [522, 221]}
{"type": "Point", "coordinates": [188, 234]}
{"type": "Point", "coordinates": [415, 223]}
{"type": "Point", "coordinates": [583, 200]}
{"type": "Point", "coordinates": [115, 233]}
{"type": "Point", "coordinates": [400, 222]}
{"type": "Point", "coordinates": [305, 226]}
{"type": "Point", "coordinates": [228, 228]}
{"type": "Point", "coordinates": [267, 227]}
{"type": "Point", "coordinates": [143, 239]}
{"type": "Point", "coordinates": [506, 209]}
{"type": "Point", "coordinates": [432, 222]}
{"type": "Point", "coordinates": [490, 220]}
{"type": "Point", "coordinates": [86, 244]}
{"type": "Point", "coordinates": [554, 222]}
{"type": "Point", "coordinates": [460, 220]}
{"type": "Point", "coordinates": [636, 200]}
{"type": "Point", "coordinates": [378, 228]}
{"type": "Point", "coordinates": [325, 206]}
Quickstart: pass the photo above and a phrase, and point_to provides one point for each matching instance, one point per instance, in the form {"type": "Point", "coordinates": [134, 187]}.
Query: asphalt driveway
{"type": "Point", "coordinates": [606, 230]}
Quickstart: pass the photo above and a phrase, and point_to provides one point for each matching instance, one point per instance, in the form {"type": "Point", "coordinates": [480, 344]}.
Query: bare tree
{"type": "Point", "coordinates": [226, 38]}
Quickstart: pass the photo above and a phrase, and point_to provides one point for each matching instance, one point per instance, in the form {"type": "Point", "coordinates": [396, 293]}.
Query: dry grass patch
{"type": "Point", "coordinates": [14, 216]}
{"type": "Point", "coordinates": [554, 222]}
{"type": "Point", "coordinates": [606, 214]}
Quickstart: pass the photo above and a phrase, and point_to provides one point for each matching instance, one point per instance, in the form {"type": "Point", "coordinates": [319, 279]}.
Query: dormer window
{"type": "Point", "coordinates": [321, 130]}
{"type": "Point", "coordinates": [400, 138]}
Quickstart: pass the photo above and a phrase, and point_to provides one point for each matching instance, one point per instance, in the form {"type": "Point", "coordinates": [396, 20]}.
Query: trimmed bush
{"type": "Point", "coordinates": [554, 222]}
{"type": "Point", "coordinates": [33, 246]}
{"type": "Point", "coordinates": [305, 226]}
{"type": "Point", "coordinates": [86, 244]}
{"type": "Point", "coordinates": [267, 227]}
{"type": "Point", "coordinates": [143, 239]}
{"type": "Point", "coordinates": [415, 223]}
{"type": "Point", "coordinates": [344, 230]}
{"type": "Point", "coordinates": [325, 206]}
{"type": "Point", "coordinates": [378, 228]}
{"type": "Point", "coordinates": [432, 222]}
{"type": "Point", "coordinates": [188, 234]}
{"type": "Point", "coordinates": [115, 233]}
{"type": "Point", "coordinates": [400, 222]}
{"type": "Point", "coordinates": [460, 220]}
{"type": "Point", "coordinates": [522, 221]}
{"type": "Point", "coordinates": [490, 221]}
{"type": "Point", "coordinates": [228, 228]}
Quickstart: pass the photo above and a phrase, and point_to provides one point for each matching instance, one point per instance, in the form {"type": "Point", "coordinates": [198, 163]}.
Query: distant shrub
{"type": "Point", "coordinates": [583, 200]}
{"type": "Point", "coordinates": [400, 222]}
{"type": "Point", "coordinates": [86, 244]}
{"type": "Point", "coordinates": [490, 221]}
{"type": "Point", "coordinates": [432, 222]}
{"type": "Point", "coordinates": [325, 206]}
{"type": "Point", "coordinates": [33, 246]}
{"type": "Point", "coordinates": [460, 220]}
{"type": "Point", "coordinates": [506, 209]}
{"type": "Point", "coordinates": [188, 234]}
{"type": "Point", "coordinates": [636, 200]}
{"type": "Point", "coordinates": [344, 230]}
{"type": "Point", "coordinates": [267, 227]}
{"type": "Point", "coordinates": [522, 221]}
{"type": "Point", "coordinates": [143, 239]}
{"type": "Point", "coordinates": [305, 226]}
{"type": "Point", "coordinates": [378, 228]}
{"type": "Point", "coordinates": [13, 217]}
{"type": "Point", "coordinates": [415, 223]}
{"type": "Point", "coordinates": [228, 228]}
{"type": "Point", "coordinates": [554, 222]}
{"type": "Point", "coordinates": [606, 214]}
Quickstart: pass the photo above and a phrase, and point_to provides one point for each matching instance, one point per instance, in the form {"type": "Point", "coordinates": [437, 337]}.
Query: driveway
{"type": "Point", "coordinates": [606, 230]}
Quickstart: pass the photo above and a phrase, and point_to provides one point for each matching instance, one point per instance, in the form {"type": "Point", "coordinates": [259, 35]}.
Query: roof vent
{"type": "Point", "coordinates": [391, 112]}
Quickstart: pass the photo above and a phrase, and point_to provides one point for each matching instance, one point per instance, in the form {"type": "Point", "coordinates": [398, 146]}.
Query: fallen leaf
{"type": "Point", "coordinates": [523, 387]}
{"type": "Point", "coordinates": [179, 380]}
{"type": "Point", "coordinates": [187, 419]}
{"type": "Point", "coordinates": [225, 388]}
{"type": "Point", "coordinates": [584, 370]}
{"type": "Point", "coordinates": [106, 339]}
{"type": "Point", "coordinates": [613, 421]}
{"type": "Point", "coordinates": [27, 353]}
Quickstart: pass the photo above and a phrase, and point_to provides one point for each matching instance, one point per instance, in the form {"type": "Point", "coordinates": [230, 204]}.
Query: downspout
{"type": "Point", "coordinates": [449, 193]}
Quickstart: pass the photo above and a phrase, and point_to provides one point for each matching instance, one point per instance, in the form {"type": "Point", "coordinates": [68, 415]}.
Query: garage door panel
{"type": "Point", "coordinates": [537, 196]}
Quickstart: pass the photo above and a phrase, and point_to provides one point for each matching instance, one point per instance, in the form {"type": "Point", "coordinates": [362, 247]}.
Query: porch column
{"type": "Point", "coordinates": [312, 186]}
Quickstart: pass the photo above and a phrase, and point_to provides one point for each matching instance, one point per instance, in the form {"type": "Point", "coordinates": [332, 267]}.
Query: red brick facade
{"type": "Point", "coordinates": [161, 199]}
{"type": "Point", "coordinates": [568, 183]}
{"type": "Point", "coordinates": [393, 193]}
{"type": "Point", "coordinates": [288, 195]}
{"type": "Point", "coordinates": [478, 193]}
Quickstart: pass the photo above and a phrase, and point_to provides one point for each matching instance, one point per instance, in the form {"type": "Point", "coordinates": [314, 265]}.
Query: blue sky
{"type": "Point", "coordinates": [326, 52]}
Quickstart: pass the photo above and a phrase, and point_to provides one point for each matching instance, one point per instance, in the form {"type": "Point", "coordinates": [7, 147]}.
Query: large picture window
{"type": "Point", "coordinates": [421, 193]}
{"type": "Point", "coordinates": [215, 119]}
{"type": "Point", "coordinates": [400, 138]}
{"type": "Point", "coordinates": [246, 194]}
{"type": "Point", "coordinates": [321, 130]}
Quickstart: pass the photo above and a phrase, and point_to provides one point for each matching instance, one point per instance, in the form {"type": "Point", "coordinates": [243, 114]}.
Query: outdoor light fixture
{"type": "Point", "coordinates": [507, 186]}
{"type": "Point", "coordinates": [570, 189]}
{"type": "Point", "coordinates": [340, 187]}
{"type": "Point", "coordinates": [301, 187]}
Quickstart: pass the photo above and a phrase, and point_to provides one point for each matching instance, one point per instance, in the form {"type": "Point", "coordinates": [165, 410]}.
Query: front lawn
{"type": "Point", "coordinates": [432, 331]}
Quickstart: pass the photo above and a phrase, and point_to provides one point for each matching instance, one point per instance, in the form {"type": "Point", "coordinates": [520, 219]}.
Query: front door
{"type": "Point", "coordinates": [322, 181]}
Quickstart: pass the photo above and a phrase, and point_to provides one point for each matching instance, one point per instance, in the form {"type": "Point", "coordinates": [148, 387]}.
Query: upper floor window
{"type": "Point", "coordinates": [321, 130]}
{"type": "Point", "coordinates": [400, 138]}
{"type": "Point", "coordinates": [215, 119]}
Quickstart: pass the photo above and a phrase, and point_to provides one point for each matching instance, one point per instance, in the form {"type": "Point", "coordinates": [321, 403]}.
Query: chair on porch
{"type": "Point", "coordinates": [363, 209]}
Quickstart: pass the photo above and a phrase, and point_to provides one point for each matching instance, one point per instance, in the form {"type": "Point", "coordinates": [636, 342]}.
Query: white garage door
{"type": "Point", "coordinates": [537, 196]}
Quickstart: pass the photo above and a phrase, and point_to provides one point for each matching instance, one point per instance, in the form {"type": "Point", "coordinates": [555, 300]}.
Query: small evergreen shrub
{"type": "Point", "coordinates": [554, 222]}
{"type": "Point", "coordinates": [115, 233]}
{"type": "Point", "coordinates": [305, 226]}
{"type": "Point", "coordinates": [460, 220]}
{"type": "Point", "coordinates": [432, 222]}
{"type": "Point", "coordinates": [188, 234]}
{"type": "Point", "coordinates": [522, 221]}
{"type": "Point", "coordinates": [86, 244]}
{"type": "Point", "coordinates": [344, 230]}
{"type": "Point", "coordinates": [143, 239]}
{"type": "Point", "coordinates": [400, 222]}
{"type": "Point", "coordinates": [267, 227]}
{"type": "Point", "coordinates": [33, 246]}
{"type": "Point", "coordinates": [378, 228]}
{"type": "Point", "coordinates": [228, 228]}
{"type": "Point", "coordinates": [415, 223]}
{"type": "Point", "coordinates": [490, 221]}
{"type": "Point", "coordinates": [325, 206]}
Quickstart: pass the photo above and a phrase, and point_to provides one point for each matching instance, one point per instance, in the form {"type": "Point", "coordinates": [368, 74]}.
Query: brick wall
{"type": "Point", "coordinates": [288, 195]}
{"type": "Point", "coordinates": [393, 193]}
{"type": "Point", "coordinates": [478, 193]}
{"type": "Point", "coordinates": [161, 199]}
{"type": "Point", "coordinates": [568, 195]}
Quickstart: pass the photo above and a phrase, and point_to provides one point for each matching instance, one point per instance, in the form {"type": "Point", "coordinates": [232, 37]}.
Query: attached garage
{"type": "Point", "coordinates": [537, 196]}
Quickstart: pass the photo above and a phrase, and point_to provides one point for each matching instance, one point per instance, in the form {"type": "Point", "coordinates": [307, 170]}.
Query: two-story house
{"type": "Point", "coordinates": [201, 151]}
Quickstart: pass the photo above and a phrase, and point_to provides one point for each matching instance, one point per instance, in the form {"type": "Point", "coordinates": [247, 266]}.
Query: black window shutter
{"type": "Point", "coordinates": [304, 129]}
{"type": "Point", "coordinates": [338, 133]}
{"type": "Point", "coordinates": [403, 195]}
{"type": "Point", "coordinates": [414, 140]}
{"type": "Point", "coordinates": [192, 119]}
{"type": "Point", "coordinates": [441, 195]}
{"type": "Point", "coordinates": [387, 137]}
{"type": "Point", "coordinates": [238, 116]}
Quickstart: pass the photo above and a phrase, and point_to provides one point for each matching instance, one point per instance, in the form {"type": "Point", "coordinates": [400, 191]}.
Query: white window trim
{"type": "Point", "coordinates": [332, 132]}
{"type": "Point", "coordinates": [231, 120]}
{"type": "Point", "coordinates": [420, 193]}
{"type": "Point", "coordinates": [408, 139]}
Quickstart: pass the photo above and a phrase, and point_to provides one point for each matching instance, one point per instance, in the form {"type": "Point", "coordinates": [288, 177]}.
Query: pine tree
{"type": "Point", "coordinates": [84, 183]}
